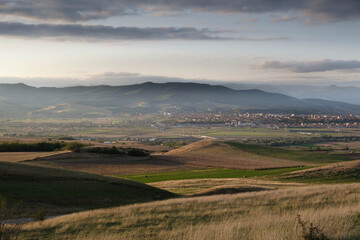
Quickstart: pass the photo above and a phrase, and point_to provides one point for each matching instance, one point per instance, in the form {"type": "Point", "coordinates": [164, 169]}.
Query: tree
{"type": "Point", "coordinates": [7, 230]}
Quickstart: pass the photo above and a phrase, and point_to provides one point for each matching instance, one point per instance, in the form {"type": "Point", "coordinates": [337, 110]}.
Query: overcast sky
{"type": "Point", "coordinates": [67, 42]}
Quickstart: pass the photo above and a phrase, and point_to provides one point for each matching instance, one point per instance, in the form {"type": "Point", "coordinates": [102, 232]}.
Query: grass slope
{"type": "Point", "coordinates": [266, 215]}
{"type": "Point", "coordinates": [108, 164]}
{"type": "Point", "coordinates": [24, 156]}
{"type": "Point", "coordinates": [211, 153]}
{"type": "Point", "coordinates": [344, 172]}
{"type": "Point", "coordinates": [294, 155]}
{"type": "Point", "coordinates": [62, 191]}
{"type": "Point", "coordinates": [190, 187]}
{"type": "Point", "coordinates": [206, 173]}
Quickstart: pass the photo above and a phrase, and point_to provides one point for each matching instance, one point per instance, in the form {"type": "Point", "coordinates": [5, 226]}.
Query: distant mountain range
{"type": "Point", "coordinates": [349, 94]}
{"type": "Point", "coordinates": [20, 100]}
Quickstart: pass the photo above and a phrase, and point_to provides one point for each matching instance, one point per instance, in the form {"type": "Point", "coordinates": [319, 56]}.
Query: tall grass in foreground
{"type": "Point", "coordinates": [268, 215]}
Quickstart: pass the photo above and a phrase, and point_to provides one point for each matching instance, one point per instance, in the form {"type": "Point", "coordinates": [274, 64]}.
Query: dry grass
{"type": "Point", "coordinates": [24, 139]}
{"type": "Point", "coordinates": [108, 164]}
{"type": "Point", "coordinates": [336, 172]}
{"type": "Point", "coordinates": [24, 156]}
{"type": "Point", "coordinates": [266, 215]}
{"type": "Point", "coordinates": [210, 153]}
{"type": "Point", "coordinates": [196, 186]}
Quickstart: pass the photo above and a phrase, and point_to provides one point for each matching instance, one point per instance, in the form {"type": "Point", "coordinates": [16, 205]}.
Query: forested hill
{"type": "Point", "coordinates": [94, 101]}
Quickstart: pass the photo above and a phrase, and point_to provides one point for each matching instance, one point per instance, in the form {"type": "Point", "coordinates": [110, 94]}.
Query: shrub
{"type": "Point", "coordinates": [74, 146]}
{"type": "Point", "coordinates": [106, 150]}
{"type": "Point", "coordinates": [309, 231]}
{"type": "Point", "coordinates": [137, 152]}
{"type": "Point", "coordinates": [7, 231]}
{"type": "Point", "coordinates": [39, 215]}
{"type": "Point", "coordinates": [66, 138]}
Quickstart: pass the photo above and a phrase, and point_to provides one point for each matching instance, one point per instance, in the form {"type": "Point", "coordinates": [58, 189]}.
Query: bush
{"type": "Point", "coordinates": [66, 138]}
{"type": "Point", "coordinates": [137, 152]}
{"type": "Point", "coordinates": [74, 146]}
{"type": "Point", "coordinates": [7, 231]}
{"type": "Point", "coordinates": [39, 215]}
{"type": "Point", "coordinates": [106, 150]}
{"type": "Point", "coordinates": [309, 231]}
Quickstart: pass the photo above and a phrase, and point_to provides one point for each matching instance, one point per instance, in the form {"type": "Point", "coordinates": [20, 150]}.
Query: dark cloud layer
{"type": "Point", "coordinates": [311, 66]}
{"type": "Point", "coordinates": [106, 33]}
{"type": "Point", "coordinates": [103, 33]}
{"type": "Point", "coordinates": [82, 10]}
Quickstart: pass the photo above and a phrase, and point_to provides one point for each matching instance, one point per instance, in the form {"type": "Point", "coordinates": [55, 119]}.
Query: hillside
{"type": "Point", "coordinates": [349, 94]}
{"type": "Point", "coordinates": [61, 191]}
{"type": "Point", "coordinates": [107, 164]}
{"type": "Point", "coordinates": [334, 173]}
{"type": "Point", "coordinates": [268, 215]}
{"type": "Point", "coordinates": [211, 153]}
{"type": "Point", "coordinates": [101, 101]}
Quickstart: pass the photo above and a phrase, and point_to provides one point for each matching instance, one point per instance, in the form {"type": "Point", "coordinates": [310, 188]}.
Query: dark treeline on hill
{"type": "Point", "coordinates": [19, 100]}
{"type": "Point", "coordinates": [136, 152]}
{"type": "Point", "coordinates": [39, 146]}
{"type": "Point", "coordinates": [31, 147]}
{"type": "Point", "coordinates": [72, 146]}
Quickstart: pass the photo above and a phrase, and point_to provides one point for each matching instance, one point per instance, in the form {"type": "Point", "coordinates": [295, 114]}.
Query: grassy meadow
{"type": "Point", "coordinates": [345, 172]}
{"type": "Point", "coordinates": [206, 173]}
{"type": "Point", "coordinates": [212, 186]}
{"type": "Point", "coordinates": [291, 154]}
{"type": "Point", "coordinates": [205, 190]}
{"type": "Point", "coordinates": [267, 215]}
{"type": "Point", "coordinates": [217, 154]}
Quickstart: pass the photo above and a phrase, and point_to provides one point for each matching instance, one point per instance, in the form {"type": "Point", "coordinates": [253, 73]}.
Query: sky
{"type": "Point", "coordinates": [116, 42]}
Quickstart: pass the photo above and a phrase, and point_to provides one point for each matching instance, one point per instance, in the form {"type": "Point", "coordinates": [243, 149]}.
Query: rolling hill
{"type": "Point", "coordinates": [268, 215]}
{"type": "Point", "coordinates": [60, 191]}
{"type": "Point", "coordinates": [342, 172]}
{"type": "Point", "coordinates": [98, 101]}
{"type": "Point", "coordinates": [211, 153]}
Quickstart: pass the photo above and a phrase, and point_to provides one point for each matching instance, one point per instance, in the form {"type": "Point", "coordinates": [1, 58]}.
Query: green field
{"type": "Point", "coordinates": [116, 131]}
{"type": "Point", "coordinates": [61, 191]}
{"type": "Point", "coordinates": [255, 132]}
{"type": "Point", "coordinates": [207, 173]}
{"type": "Point", "coordinates": [295, 155]}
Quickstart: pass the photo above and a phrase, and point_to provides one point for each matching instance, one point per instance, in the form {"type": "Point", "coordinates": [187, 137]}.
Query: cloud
{"type": "Point", "coordinates": [107, 33]}
{"type": "Point", "coordinates": [253, 20]}
{"type": "Point", "coordinates": [249, 39]}
{"type": "Point", "coordinates": [285, 18]}
{"type": "Point", "coordinates": [103, 33]}
{"type": "Point", "coordinates": [311, 66]}
{"type": "Point", "coordinates": [116, 75]}
{"type": "Point", "coordinates": [83, 10]}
